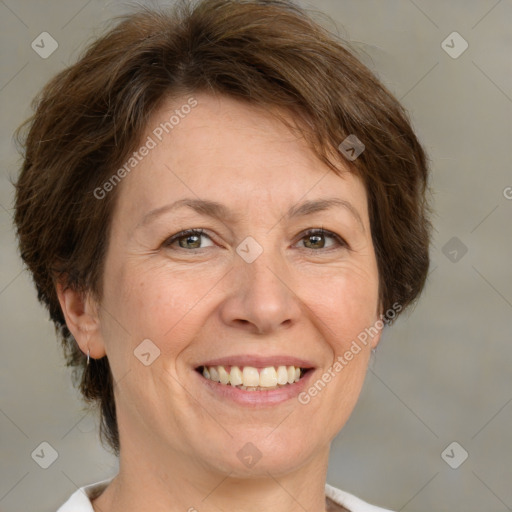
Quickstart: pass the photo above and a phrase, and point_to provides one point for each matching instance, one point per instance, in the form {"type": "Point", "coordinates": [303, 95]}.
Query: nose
{"type": "Point", "coordinates": [261, 297]}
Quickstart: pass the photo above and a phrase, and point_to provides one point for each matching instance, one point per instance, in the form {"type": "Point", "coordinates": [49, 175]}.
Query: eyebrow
{"type": "Point", "coordinates": [221, 212]}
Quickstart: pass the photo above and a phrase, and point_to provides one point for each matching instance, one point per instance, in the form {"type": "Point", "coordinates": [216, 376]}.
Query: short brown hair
{"type": "Point", "coordinates": [266, 52]}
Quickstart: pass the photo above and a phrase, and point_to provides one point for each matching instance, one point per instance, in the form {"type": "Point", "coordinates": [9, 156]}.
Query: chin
{"type": "Point", "coordinates": [251, 456]}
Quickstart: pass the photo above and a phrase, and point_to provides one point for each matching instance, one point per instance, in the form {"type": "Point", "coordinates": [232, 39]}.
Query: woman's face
{"type": "Point", "coordinates": [260, 287]}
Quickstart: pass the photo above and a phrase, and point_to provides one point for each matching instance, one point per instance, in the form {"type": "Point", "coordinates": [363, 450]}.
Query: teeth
{"type": "Point", "coordinates": [268, 377]}
{"type": "Point", "coordinates": [223, 375]}
{"type": "Point", "coordinates": [251, 376]}
{"type": "Point", "coordinates": [214, 374]}
{"type": "Point", "coordinates": [282, 375]}
{"type": "Point", "coordinates": [251, 379]}
{"type": "Point", "coordinates": [235, 376]}
{"type": "Point", "coordinates": [291, 374]}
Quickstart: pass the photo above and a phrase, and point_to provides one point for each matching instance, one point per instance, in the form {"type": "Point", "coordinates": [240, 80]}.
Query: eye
{"type": "Point", "coordinates": [315, 239]}
{"type": "Point", "coordinates": [189, 239]}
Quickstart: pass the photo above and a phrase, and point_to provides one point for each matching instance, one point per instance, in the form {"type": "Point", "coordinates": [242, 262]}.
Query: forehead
{"type": "Point", "coordinates": [226, 150]}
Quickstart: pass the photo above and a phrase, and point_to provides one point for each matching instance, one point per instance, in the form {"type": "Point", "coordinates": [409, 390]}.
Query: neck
{"type": "Point", "coordinates": [171, 482]}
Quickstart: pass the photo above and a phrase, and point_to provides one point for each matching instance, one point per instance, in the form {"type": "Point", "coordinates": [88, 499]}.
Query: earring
{"type": "Point", "coordinates": [88, 353]}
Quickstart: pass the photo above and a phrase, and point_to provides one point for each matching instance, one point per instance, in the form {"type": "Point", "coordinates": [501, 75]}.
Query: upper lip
{"type": "Point", "coordinates": [258, 361]}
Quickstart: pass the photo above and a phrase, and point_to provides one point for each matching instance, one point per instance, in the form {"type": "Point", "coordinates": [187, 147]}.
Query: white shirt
{"type": "Point", "coordinates": [80, 501]}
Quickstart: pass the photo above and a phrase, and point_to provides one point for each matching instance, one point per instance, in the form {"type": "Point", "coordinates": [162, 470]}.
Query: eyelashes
{"type": "Point", "coordinates": [319, 233]}
{"type": "Point", "coordinates": [186, 234]}
{"type": "Point", "coordinates": [318, 236]}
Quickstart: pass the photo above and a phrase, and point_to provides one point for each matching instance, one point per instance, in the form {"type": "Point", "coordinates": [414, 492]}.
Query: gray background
{"type": "Point", "coordinates": [441, 374]}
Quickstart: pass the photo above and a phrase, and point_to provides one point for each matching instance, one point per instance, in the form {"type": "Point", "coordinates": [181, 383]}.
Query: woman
{"type": "Point", "coordinates": [221, 208]}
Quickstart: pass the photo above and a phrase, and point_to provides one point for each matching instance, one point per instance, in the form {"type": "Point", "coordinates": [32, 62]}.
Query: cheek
{"type": "Point", "coordinates": [344, 312]}
{"type": "Point", "coordinates": [157, 304]}
{"type": "Point", "coordinates": [346, 306]}
{"type": "Point", "coordinates": [340, 309]}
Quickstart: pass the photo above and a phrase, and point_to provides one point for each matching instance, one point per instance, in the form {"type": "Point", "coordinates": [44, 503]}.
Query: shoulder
{"type": "Point", "coordinates": [350, 502]}
{"type": "Point", "coordinates": [80, 500]}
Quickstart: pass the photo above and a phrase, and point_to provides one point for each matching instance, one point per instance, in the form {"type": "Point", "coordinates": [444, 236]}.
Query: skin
{"type": "Point", "coordinates": [303, 297]}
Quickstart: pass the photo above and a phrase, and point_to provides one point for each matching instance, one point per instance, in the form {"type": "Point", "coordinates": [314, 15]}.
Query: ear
{"type": "Point", "coordinates": [379, 324]}
{"type": "Point", "coordinates": [376, 339]}
{"type": "Point", "coordinates": [82, 319]}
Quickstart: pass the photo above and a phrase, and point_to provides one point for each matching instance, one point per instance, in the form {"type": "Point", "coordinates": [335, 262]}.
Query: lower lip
{"type": "Point", "coordinates": [227, 392]}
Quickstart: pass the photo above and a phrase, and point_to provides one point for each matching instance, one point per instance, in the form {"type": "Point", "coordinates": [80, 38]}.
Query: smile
{"type": "Point", "coordinates": [249, 378]}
